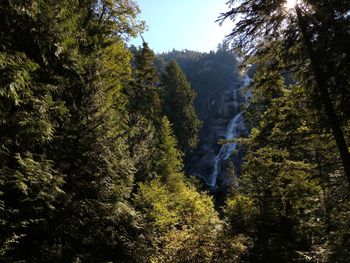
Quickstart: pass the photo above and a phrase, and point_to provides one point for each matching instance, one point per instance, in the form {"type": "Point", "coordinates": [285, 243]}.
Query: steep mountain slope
{"type": "Point", "coordinates": [216, 79]}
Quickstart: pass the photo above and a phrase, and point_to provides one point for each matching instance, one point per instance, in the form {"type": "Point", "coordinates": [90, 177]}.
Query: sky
{"type": "Point", "coordinates": [183, 24]}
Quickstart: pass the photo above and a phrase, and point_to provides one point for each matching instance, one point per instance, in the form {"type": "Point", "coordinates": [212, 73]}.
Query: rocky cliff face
{"type": "Point", "coordinates": [219, 88]}
{"type": "Point", "coordinates": [210, 74]}
{"type": "Point", "coordinates": [224, 122]}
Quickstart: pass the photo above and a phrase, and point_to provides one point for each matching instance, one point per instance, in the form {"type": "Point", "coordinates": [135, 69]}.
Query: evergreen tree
{"type": "Point", "coordinates": [31, 185]}
{"type": "Point", "coordinates": [292, 168]}
{"type": "Point", "coordinates": [143, 92]}
{"type": "Point", "coordinates": [169, 157]}
{"type": "Point", "coordinates": [232, 178]}
{"type": "Point", "coordinates": [310, 33]}
{"type": "Point", "coordinates": [90, 147]}
{"type": "Point", "coordinates": [209, 74]}
{"type": "Point", "coordinates": [286, 176]}
{"type": "Point", "coordinates": [177, 98]}
{"type": "Point", "coordinates": [91, 150]}
{"type": "Point", "coordinates": [180, 223]}
{"type": "Point", "coordinates": [66, 173]}
{"type": "Point", "coordinates": [144, 109]}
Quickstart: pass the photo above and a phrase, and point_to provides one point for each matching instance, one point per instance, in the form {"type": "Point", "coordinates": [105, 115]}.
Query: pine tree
{"type": "Point", "coordinates": [30, 183]}
{"type": "Point", "coordinates": [144, 109]}
{"type": "Point", "coordinates": [178, 98]}
{"type": "Point", "coordinates": [310, 33]}
{"type": "Point", "coordinates": [91, 147]}
{"type": "Point", "coordinates": [280, 178]}
{"type": "Point", "coordinates": [169, 165]}
{"type": "Point", "coordinates": [286, 175]}
{"type": "Point", "coordinates": [66, 173]}
{"type": "Point", "coordinates": [143, 92]}
{"type": "Point", "coordinates": [180, 223]}
{"type": "Point", "coordinates": [292, 168]}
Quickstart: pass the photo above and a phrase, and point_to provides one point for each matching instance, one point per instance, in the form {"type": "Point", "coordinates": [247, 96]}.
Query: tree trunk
{"type": "Point", "coordinates": [321, 83]}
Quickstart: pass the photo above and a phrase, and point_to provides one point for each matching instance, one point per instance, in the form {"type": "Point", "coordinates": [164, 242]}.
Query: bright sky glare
{"type": "Point", "coordinates": [290, 4]}
{"type": "Point", "coordinates": [183, 24]}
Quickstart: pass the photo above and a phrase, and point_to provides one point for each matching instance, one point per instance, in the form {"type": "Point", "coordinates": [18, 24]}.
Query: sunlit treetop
{"type": "Point", "coordinates": [258, 21]}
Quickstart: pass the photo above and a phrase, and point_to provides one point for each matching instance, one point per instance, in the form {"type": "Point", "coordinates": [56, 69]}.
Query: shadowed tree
{"type": "Point", "coordinates": [178, 97]}
{"type": "Point", "coordinates": [314, 36]}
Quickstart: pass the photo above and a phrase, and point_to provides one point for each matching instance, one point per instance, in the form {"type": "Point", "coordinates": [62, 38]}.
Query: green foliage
{"type": "Point", "coordinates": [169, 159]}
{"type": "Point", "coordinates": [143, 93]}
{"type": "Point", "coordinates": [90, 170]}
{"type": "Point", "coordinates": [231, 248]}
{"type": "Point", "coordinates": [66, 173]}
{"type": "Point", "coordinates": [81, 130]}
{"type": "Point", "coordinates": [292, 170]}
{"type": "Point", "coordinates": [281, 179]}
{"type": "Point", "coordinates": [306, 43]}
{"type": "Point", "coordinates": [144, 109]}
{"type": "Point", "coordinates": [178, 100]}
{"type": "Point", "coordinates": [282, 204]}
{"type": "Point", "coordinates": [94, 154]}
{"type": "Point", "coordinates": [210, 74]}
{"type": "Point", "coordinates": [29, 198]}
{"type": "Point", "coordinates": [181, 224]}
{"type": "Point", "coordinates": [241, 212]}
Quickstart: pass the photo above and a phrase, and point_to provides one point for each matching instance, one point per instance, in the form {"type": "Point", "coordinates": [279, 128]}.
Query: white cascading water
{"type": "Point", "coordinates": [246, 82]}
{"type": "Point", "coordinates": [234, 130]}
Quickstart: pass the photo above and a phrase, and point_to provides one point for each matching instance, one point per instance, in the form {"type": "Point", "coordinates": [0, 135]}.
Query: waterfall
{"type": "Point", "coordinates": [246, 83]}
{"type": "Point", "coordinates": [247, 80]}
{"type": "Point", "coordinates": [234, 130]}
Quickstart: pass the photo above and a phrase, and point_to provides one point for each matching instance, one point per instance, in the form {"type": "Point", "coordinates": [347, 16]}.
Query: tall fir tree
{"type": "Point", "coordinates": [298, 148]}
{"type": "Point", "coordinates": [66, 173]}
{"type": "Point", "coordinates": [180, 223]}
{"type": "Point", "coordinates": [178, 97]}
{"type": "Point", "coordinates": [31, 185]}
{"type": "Point", "coordinates": [286, 176]}
{"type": "Point", "coordinates": [144, 107]}
{"type": "Point", "coordinates": [313, 36]}
{"type": "Point", "coordinates": [143, 91]}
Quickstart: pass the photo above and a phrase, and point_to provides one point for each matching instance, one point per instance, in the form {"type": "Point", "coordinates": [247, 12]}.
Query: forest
{"type": "Point", "coordinates": [102, 143]}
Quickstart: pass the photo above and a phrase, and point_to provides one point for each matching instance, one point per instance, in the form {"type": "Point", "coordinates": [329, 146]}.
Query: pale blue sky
{"type": "Point", "coordinates": [183, 24]}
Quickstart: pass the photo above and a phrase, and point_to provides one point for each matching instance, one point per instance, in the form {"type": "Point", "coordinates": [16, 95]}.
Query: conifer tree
{"type": "Point", "coordinates": [143, 91]}
{"type": "Point", "coordinates": [180, 222]}
{"type": "Point", "coordinates": [169, 165]}
{"type": "Point", "coordinates": [31, 185]}
{"type": "Point", "coordinates": [286, 176]}
{"type": "Point", "coordinates": [90, 147]}
{"type": "Point", "coordinates": [66, 173]}
{"type": "Point", "coordinates": [310, 33]}
{"type": "Point", "coordinates": [178, 98]}
{"type": "Point", "coordinates": [292, 168]}
{"type": "Point", "coordinates": [144, 109]}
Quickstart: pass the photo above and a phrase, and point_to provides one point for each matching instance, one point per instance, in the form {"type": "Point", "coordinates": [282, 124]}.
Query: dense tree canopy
{"type": "Point", "coordinates": [297, 158]}
{"type": "Point", "coordinates": [210, 74]}
{"type": "Point", "coordinates": [313, 35]}
{"type": "Point", "coordinates": [178, 100]}
{"type": "Point", "coordinates": [92, 137]}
